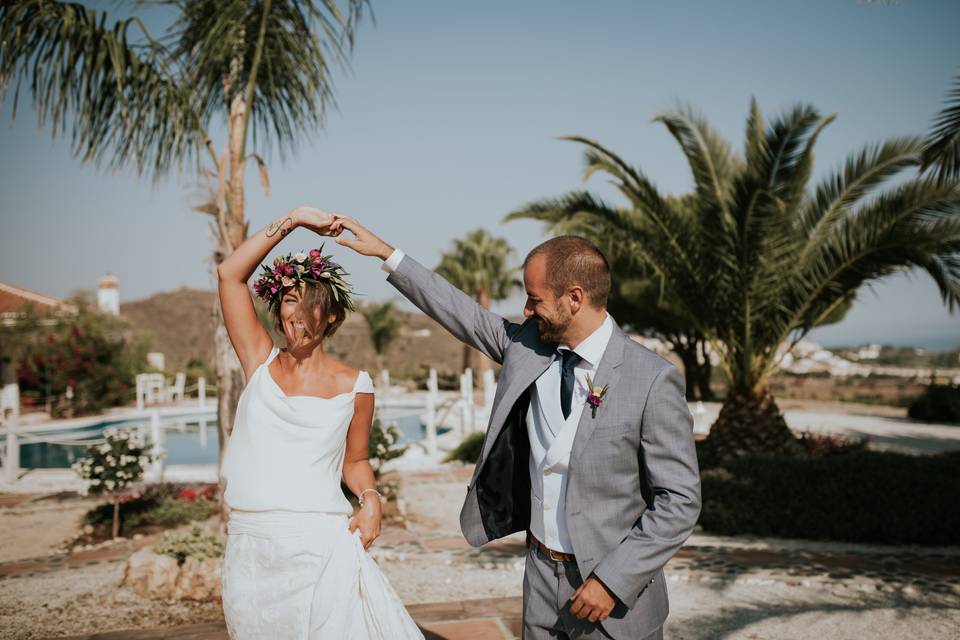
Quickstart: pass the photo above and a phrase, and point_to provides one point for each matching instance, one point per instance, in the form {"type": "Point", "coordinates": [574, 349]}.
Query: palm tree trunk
{"type": "Point", "coordinates": [230, 382]}
{"type": "Point", "coordinates": [230, 378]}
{"type": "Point", "coordinates": [751, 423]}
{"type": "Point", "coordinates": [705, 372]}
{"type": "Point", "coordinates": [688, 357]}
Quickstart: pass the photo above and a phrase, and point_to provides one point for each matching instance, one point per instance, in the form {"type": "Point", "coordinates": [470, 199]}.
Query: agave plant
{"type": "Point", "coordinates": [761, 258]}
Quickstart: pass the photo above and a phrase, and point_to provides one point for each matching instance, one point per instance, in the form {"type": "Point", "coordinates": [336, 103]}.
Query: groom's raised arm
{"type": "Point", "coordinates": [457, 312]}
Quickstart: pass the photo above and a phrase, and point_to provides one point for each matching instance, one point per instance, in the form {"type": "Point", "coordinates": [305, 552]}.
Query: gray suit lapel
{"type": "Point", "coordinates": [606, 375]}
{"type": "Point", "coordinates": [518, 378]}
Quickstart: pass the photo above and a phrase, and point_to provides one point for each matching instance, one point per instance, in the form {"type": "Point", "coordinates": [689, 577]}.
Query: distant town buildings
{"type": "Point", "coordinates": [15, 301]}
{"type": "Point", "coordinates": [871, 352]}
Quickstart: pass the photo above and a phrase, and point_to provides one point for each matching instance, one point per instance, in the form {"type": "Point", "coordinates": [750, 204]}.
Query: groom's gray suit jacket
{"type": "Point", "coordinates": [633, 493]}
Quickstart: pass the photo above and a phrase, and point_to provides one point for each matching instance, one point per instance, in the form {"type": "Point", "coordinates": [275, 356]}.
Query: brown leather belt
{"type": "Point", "coordinates": [556, 556]}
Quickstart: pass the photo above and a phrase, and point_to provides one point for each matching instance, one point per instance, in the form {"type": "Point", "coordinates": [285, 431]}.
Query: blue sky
{"type": "Point", "coordinates": [448, 120]}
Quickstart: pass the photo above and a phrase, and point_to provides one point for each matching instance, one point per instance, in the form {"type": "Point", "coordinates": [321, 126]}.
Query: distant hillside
{"type": "Point", "coordinates": [181, 324]}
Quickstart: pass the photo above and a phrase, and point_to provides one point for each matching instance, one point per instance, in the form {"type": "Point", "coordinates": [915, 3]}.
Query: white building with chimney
{"type": "Point", "coordinates": [108, 295]}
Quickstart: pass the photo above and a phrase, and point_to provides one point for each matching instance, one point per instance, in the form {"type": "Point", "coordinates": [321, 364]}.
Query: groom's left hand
{"type": "Point", "coordinates": [592, 601]}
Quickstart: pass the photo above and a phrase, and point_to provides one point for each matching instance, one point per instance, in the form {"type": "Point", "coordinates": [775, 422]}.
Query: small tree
{"type": "Point", "coordinates": [477, 265]}
{"type": "Point", "coordinates": [94, 355]}
{"type": "Point", "coordinates": [384, 323]}
{"type": "Point", "coordinates": [111, 467]}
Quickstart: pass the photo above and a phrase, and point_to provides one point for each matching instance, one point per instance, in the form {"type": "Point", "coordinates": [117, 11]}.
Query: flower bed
{"type": "Point", "coordinates": [151, 509]}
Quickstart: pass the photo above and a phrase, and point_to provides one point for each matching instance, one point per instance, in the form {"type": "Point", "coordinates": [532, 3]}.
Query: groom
{"type": "Point", "coordinates": [604, 481]}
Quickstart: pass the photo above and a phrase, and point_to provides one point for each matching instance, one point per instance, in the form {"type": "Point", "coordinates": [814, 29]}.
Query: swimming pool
{"type": "Point", "coordinates": [186, 439]}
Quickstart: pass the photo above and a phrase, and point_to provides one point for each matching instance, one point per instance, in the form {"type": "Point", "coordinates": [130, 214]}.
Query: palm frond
{"type": "Point", "coordinates": [114, 93]}
{"type": "Point", "coordinates": [861, 173]}
{"type": "Point", "coordinates": [943, 144]}
{"type": "Point", "coordinates": [291, 80]}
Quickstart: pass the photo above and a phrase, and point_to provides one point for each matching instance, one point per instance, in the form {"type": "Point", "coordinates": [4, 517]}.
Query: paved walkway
{"type": "Point", "coordinates": [486, 619]}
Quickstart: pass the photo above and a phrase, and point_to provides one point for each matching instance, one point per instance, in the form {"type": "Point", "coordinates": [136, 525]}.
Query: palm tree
{"type": "Point", "coordinates": [260, 69]}
{"type": "Point", "coordinates": [763, 259]}
{"type": "Point", "coordinates": [477, 265]}
{"type": "Point", "coordinates": [943, 145]}
{"type": "Point", "coordinates": [384, 323]}
{"type": "Point", "coordinates": [636, 297]}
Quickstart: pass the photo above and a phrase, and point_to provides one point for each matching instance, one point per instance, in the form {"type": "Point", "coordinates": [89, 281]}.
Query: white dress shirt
{"type": "Point", "coordinates": [551, 437]}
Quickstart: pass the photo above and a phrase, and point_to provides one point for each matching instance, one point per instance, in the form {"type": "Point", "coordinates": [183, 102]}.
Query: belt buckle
{"type": "Point", "coordinates": [556, 556]}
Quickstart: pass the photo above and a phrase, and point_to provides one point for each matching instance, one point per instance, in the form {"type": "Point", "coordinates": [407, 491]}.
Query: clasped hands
{"type": "Point", "coordinates": [324, 223]}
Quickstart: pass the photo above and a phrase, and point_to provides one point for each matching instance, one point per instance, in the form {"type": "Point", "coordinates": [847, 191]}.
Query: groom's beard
{"type": "Point", "coordinates": [553, 330]}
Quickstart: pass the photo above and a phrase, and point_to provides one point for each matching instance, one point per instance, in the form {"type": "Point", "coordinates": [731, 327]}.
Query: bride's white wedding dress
{"type": "Point", "coordinates": [292, 569]}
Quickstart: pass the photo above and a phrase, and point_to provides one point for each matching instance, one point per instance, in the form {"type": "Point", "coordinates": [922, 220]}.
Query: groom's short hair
{"type": "Point", "coordinates": [572, 260]}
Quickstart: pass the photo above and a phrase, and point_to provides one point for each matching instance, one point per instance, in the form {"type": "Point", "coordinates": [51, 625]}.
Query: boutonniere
{"type": "Point", "coordinates": [595, 396]}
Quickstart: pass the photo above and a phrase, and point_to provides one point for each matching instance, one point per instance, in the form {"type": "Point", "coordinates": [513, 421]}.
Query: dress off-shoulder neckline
{"type": "Point", "coordinates": [266, 367]}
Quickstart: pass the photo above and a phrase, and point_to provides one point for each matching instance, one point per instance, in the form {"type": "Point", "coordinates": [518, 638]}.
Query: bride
{"type": "Point", "coordinates": [295, 564]}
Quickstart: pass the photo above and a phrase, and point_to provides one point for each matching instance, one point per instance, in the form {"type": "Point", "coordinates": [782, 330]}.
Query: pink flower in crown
{"type": "Point", "coordinates": [314, 253]}
{"type": "Point", "coordinates": [595, 396]}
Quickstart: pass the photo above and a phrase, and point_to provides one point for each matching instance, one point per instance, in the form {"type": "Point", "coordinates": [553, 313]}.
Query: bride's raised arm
{"type": "Point", "coordinates": [248, 337]}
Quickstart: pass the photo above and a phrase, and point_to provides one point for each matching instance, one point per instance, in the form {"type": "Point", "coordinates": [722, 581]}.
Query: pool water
{"type": "Point", "coordinates": [186, 441]}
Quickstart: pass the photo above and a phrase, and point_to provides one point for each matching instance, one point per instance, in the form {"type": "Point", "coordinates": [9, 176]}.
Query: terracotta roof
{"type": "Point", "coordinates": [13, 298]}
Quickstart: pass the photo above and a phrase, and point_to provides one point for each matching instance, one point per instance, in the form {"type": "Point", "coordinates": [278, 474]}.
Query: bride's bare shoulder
{"type": "Point", "coordinates": [344, 374]}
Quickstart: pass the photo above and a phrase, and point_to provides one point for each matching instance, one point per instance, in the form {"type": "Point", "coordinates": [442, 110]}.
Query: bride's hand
{"type": "Point", "coordinates": [367, 520]}
{"type": "Point", "coordinates": [365, 242]}
{"type": "Point", "coordinates": [316, 220]}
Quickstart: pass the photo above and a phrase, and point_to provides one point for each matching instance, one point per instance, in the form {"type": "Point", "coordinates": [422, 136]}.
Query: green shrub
{"type": "Point", "coordinates": [469, 450]}
{"type": "Point", "coordinates": [939, 403]}
{"type": "Point", "coordinates": [94, 354]}
{"type": "Point", "coordinates": [196, 543]}
{"type": "Point", "coordinates": [858, 496]}
{"type": "Point", "coordinates": [154, 504]}
{"type": "Point", "coordinates": [171, 512]}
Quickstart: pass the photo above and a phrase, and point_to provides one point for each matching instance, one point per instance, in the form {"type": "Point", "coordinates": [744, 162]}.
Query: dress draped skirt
{"type": "Point", "coordinates": [291, 575]}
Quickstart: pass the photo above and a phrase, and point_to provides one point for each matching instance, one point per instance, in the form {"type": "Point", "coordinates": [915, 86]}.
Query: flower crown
{"type": "Point", "coordinates": [296, 268]}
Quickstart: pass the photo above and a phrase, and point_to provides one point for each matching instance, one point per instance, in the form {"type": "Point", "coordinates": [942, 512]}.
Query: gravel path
{"type": "Point", "coordinates": [35, 528]}
{"type": "Point", "coordinates": [84, 601]}
{"type": "Point", "coordinates": [749, 588]}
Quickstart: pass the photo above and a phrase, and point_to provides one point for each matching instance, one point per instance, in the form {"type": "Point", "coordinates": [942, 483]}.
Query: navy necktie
{"type": "Point", "coordinates": [567, 364]}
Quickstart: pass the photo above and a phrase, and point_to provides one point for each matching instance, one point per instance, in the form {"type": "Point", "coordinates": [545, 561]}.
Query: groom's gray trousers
{"type": "Point", "coordinates": [548, 586]}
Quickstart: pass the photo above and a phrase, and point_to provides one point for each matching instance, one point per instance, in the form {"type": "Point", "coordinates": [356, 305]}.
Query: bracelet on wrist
{"type": "Point", "coordinates": [360, 497]}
